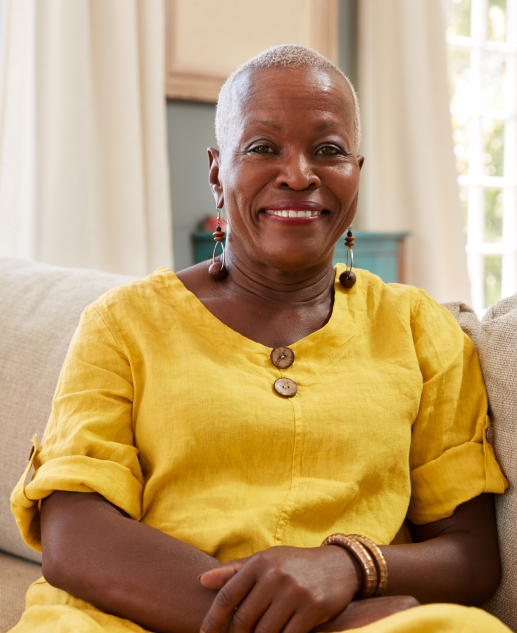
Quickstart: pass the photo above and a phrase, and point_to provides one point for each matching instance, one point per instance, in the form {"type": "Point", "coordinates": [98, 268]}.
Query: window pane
{"type": "Point", "coordinates": [494, 70]}
{"type": "Point", "coordinates": [493, 265]}
{"type": "Point", "coordinates": [464, 198]}
{"type": "Point", "coordinates": [460, 136]}
{"type": "Point", "coordinates": [458, 67]}
{"type": "Point", "coordinates": [496, 20]}
{"type": "Point", "coordinates": [494, 215]}
{"type": "Point", "coordinates": [458, 17]}
{"type": "Point", "coordinates": [493, 157]}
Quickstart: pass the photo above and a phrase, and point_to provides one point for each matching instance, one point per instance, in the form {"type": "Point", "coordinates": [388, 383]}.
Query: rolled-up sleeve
{"type": "Point", "coordinates": [451, 460]}
{"type": "Point", "coordinates": [88, 445]}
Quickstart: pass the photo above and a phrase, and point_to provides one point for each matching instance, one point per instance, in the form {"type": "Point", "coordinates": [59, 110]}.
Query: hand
{"type": "Point", "coordinates": [362, 612]}
{"type": "Point", "coordinates": [286, 589]}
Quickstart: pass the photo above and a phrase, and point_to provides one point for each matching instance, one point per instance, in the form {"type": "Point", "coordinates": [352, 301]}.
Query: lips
{"type": "Point", "coordinates": [294, 211]}
{"type": "Point", "coordinates": [294, 205]}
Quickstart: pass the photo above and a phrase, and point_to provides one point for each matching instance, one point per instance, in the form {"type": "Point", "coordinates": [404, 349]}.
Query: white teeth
{"type": "Point", "coordinates": [289, 213]}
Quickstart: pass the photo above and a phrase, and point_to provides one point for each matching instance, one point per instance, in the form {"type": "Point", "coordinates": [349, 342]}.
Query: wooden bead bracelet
{"type": "Point", "coordinates": [380, 563]}
{"type": "Point", "coordinates": [369, 557]}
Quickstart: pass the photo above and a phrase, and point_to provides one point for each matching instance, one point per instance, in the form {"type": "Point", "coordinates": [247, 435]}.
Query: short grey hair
{"type": "Point", "coordinates": [283, 56]}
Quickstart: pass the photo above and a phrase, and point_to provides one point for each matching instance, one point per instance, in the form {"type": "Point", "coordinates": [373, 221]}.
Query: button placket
{"type": "Point", "coordinates": [283, 357]}
{"type": "Point", "coordinates": [285, 387]}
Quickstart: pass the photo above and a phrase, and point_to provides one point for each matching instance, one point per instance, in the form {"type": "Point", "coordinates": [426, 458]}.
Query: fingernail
{"type": "Point", "coordinates": [199, 577]}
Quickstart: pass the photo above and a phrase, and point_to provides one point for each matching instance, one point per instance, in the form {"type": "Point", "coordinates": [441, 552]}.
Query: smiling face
{"type": "Point", "coordinates": [288, 174]}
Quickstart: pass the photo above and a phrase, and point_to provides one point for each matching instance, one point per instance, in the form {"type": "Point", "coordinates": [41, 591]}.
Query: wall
{"type": "Point", "coordinates": [191, 131]}
{"type": "Point", "coordinates": [348, 39]}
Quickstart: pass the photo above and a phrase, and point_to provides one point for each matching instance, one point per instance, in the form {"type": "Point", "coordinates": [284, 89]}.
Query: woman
{"type": "Point", "coordinates": [242, 418]}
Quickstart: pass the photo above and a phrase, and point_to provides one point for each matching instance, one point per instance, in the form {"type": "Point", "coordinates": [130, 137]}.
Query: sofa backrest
{"type": "Point", "coordinates": [496, 341]}
{"type": "Point", "coordinates": [497, 349]}
{"type": "Point", "coordinates": [40, 307]}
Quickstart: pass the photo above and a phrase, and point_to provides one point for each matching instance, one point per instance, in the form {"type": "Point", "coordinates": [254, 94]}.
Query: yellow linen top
{"type": "Point", "coordinates": [172, 416]}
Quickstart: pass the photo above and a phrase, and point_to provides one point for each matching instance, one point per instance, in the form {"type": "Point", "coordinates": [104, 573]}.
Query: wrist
{"type": "Point", "coordinates": [352, 568]}
{"type": "Point", "coordinates": [370, 559]}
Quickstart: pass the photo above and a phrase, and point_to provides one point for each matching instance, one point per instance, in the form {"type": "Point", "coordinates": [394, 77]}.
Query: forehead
{"type": "Point", "coordinates": [300, 91]}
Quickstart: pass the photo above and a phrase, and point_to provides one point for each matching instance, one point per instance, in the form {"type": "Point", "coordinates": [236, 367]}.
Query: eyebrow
{"type": "Point", "coordinates": [326, 124]}
{"type": "Point", "coordinates": [319, 128]}
{"type": "Point", "coordinates": [271, 124]}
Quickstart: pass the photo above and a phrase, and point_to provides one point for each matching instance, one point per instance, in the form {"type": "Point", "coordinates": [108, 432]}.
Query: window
{"type": "Point", "coordinates": [482, 67]}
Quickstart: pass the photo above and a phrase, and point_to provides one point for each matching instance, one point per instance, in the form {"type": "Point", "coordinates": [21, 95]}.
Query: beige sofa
{"type": "Point", "coordinates": [40, 307]}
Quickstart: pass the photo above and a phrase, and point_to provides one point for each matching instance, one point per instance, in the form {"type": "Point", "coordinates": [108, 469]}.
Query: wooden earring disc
{"type": "Point", "coordinates": [217, 271]}
{"type": "Point", "coordinates": [347, 279]}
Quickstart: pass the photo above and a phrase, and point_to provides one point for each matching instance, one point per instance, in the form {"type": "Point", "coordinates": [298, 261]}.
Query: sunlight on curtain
{"type": "Point", "coordinates": [83, 157]}
{"type": "Point", "coordinates": [482, 65]}
{"type": "Point", "coordinates": [409, 179]}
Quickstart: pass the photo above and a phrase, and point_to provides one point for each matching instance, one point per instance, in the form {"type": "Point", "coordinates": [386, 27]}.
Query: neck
{"type": "Point", "coordinates": [307, 287]}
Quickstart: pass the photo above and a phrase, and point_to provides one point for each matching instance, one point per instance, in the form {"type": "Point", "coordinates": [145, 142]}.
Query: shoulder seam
{"type": "Point", "coordinates": [92, 307]}
{"type": "Point", "coordinates": [413, 316]}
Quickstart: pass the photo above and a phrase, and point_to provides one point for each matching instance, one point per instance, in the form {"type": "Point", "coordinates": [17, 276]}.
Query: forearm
{"type": "Point", "coordinates": [444, 569]}
{"type": "Point", "coordinates": [456, 560]}
{"type": "Point", "coordinates": [125, 567]}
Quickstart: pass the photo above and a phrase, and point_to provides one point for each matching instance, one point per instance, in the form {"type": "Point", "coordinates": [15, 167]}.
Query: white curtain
{"type": "Point", "coordinates": [83, 158]}
{"type": "Point", "coordinates": [409, 178]}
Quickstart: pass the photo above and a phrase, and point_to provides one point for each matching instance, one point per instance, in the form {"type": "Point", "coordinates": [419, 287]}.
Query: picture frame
{"type": "Point", "coordinates": [206, 40]}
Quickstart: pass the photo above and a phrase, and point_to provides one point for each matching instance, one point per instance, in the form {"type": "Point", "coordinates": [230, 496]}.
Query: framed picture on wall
{"type": "Point", "coordinates": [206, 40]}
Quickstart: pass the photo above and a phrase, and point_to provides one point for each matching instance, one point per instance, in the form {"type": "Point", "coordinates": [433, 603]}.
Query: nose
{"type": "Point", "coordinates": [296, 172]}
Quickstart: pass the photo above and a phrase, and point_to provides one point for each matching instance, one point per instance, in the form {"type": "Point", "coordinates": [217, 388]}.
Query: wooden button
{"type": "Point", "coordinates": [490, 435]}
{"type": "Point", "coordinates": [282, 357]}
{"type": "Point", "coordinates": [285, 387]}
{"type": "Point", "coordinates": [31, 454]}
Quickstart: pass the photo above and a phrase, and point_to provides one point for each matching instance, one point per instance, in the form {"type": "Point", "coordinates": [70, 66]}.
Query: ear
{"type": "Point", "coordinates": [214, 165]}
{"type": "Point", "coordinates": [360, 160]}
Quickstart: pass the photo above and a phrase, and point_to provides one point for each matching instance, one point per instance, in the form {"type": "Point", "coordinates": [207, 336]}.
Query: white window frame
{"type": "Point", "coordinates": [476, 181]}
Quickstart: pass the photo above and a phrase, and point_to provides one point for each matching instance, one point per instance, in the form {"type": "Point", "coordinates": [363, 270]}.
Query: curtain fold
{"type": "Point", "coordinates": [409, 177]}
{"type": "Point", "coordinates": [83, 155]}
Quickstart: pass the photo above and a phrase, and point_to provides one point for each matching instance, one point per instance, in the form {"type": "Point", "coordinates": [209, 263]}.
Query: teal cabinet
{"type": "Point", "coordinates": [380, 253]}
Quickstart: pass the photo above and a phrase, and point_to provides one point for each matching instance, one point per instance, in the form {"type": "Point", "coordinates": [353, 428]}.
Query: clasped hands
{"type": "Point", "coordinates": [293, 590]}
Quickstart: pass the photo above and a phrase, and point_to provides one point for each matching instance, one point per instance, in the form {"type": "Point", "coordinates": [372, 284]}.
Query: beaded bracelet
{"type": "Point", "coordinates": [357, 549]}
{"type": "Point", "coordinates": [380, 563]}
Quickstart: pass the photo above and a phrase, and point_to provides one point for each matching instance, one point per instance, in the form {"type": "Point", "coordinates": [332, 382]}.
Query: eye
{"type": "Point", "coordinates": [329, 150]}
{"type": "Point", "coordinates": [261, 149]}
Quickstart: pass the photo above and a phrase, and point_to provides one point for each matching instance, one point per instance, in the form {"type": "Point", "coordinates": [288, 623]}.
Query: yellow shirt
{"type": "Point", "coordinates": [172, 416]}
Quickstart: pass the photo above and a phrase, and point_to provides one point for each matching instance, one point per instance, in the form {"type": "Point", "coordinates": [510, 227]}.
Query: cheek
{"type": "Point", "coordinates": [243, 182]}
{"type": "Point", "coordinates": [344, 182]}
{"type": "Point", "coordinates": [236, 185]}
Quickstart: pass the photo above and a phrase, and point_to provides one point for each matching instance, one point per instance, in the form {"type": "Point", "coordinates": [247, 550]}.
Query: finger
{"type": "Point", "coordinates": [251, 609]}
{"type": "Point", "coordinates": [275, 618]}
{"type": "Point", "coordinates": [216, 578]}
{"type": "Point", "coordinates": [300, 622]}
{"type": "Point", "coordinates": [227, 600]}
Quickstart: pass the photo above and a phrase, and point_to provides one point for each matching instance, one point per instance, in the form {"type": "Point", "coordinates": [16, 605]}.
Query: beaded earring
{"type": "Point", "coordinates": [218, 270]}
{"type": "Point", "coordinates": [347, 279]}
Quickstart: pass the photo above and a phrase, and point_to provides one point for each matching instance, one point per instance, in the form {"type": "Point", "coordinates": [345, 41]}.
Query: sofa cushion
{"type": "Point", "coordinates": [16, 575]}
{"type": "Point", "coordinates": [466, 317]}
{"type": "Point", "coordinates": [496, 341]}
{"type": "Point", "coordinates": [40, 307]}
{"type": "Point", "coordinates": [497, 349]}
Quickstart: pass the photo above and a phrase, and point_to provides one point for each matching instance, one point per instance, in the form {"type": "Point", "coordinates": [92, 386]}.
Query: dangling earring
{"type": "Point", "coordinates": [347, 279]}
{"type": "Point", "coordinates": [218, 270]}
